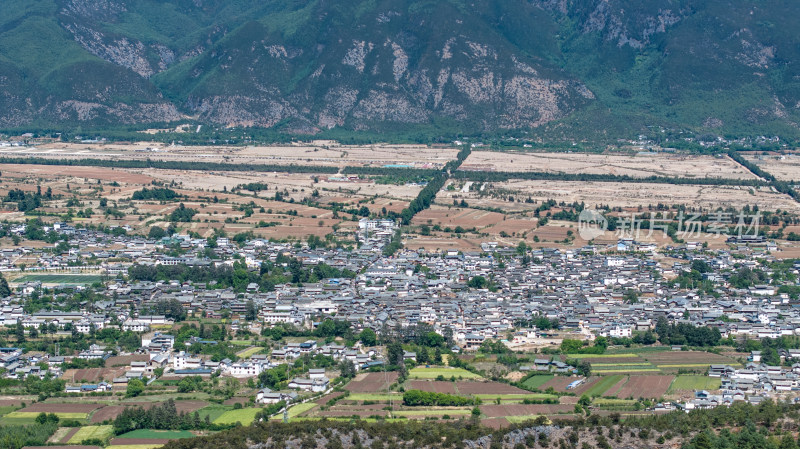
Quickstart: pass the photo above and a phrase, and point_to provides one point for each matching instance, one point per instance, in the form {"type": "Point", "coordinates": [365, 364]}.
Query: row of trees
{"type": "Point", "coordinates": [427, 194]}
{"type": "Point", "coordinates": [415, 398]}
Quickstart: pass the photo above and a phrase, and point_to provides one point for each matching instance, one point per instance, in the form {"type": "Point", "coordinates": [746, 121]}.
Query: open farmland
{"type": "Point", "coordinates": [634, 165]}
{"type": "Point", "coordinates": [318, 153]}
{"type": "Point", "coordinates": [538, 381]}
{"type": "Point", "coordinates": [244, 416]}
{"type": "Point", "coordinates": [505, 410]}
{"type": "Point", "coordinates": [651, 387]}
{"type": "Point", "coordinates": [619, 194]}
{"type": "Point", "coordinates": [432, 373]}
{"type": "Point", "coordinates": [604, 386]}
{"type": "Point", "coordinates": [371, 382]}
{"type": "Point", "coordinates": [689, 383]}
{"type": "Point", "coordinates": [59, 279]}
{"type": "Point", "coordinates": [782, 167]}
{"type": "Point", "coordinates": [91, 432]}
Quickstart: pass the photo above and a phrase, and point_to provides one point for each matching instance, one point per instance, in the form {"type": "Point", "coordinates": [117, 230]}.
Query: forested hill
{"type": "Point", "coordinates": [611, 68]}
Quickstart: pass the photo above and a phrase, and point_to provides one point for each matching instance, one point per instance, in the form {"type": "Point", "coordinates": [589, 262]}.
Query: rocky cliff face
{"type": "Point", "coordinates": [307, 66]}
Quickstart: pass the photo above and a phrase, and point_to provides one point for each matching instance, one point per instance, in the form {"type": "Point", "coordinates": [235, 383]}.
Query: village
{"type": "Point", "coordinates": [551, 309]}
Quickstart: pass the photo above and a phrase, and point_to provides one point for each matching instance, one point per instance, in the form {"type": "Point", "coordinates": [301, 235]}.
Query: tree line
{"type": "Point", "coordinates": [415, 398]}
{"type": "Point", "coordinates": [428, 193]}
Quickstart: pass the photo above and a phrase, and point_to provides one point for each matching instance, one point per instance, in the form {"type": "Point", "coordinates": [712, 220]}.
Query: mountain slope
{"type": "Point", "coordinates": [563, 68]}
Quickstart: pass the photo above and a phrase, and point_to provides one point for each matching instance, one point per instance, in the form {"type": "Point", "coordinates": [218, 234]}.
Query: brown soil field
{"type": "Point", "coordinates": [126, 360]}
{"type": "Point", "coordinates": [496, 411]}
{"type": "Point", "coordinates": [620, 360]}
{"type": "Point", "coordinates": [92, 374]}
{"type": "Point", "coordinates": [467, 387]}
{"type": "Point", "coordinates": [645, 387]}
{"type": "Point", "coordinates": [639, 165]}
{"type": "Point", "coordinates": [48, 407]}
{"type": "Point", "coordinates": [495, 423]}
{"type": "Point", "coordinates": [106, 413]}
{"type": "Point", "coordinates": [371, 382]}
{"type": "Point", "coordinates": [434, 386]}
{"type": "Point", "coordinates": [10, 402]}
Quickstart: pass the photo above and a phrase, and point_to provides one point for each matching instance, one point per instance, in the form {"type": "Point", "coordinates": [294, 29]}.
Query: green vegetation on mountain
{"type": "Point", "coordinates": [410, 69]}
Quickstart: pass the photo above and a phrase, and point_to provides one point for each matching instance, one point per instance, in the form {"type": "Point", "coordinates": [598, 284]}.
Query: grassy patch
{"type": "Point", "coordinates": [249, 352]}
{"type": "Point", "coordinates": [299, 409]}
{"type": "Point", "coordinates": [537, 381]}
{"type": "Point", "coordinates": [433, 373]}
{"type": "Point", "coordinates": [155, 434]}
{"type": "Point", "coordinates": [135, 446]}
{"type": "Point", "coordinates": [98, 432]}
{"type": "Point", "coordinates": [602, 385]}
{"type": "Point", "coordinates": [694, 383]}
{"type": "Point", "coordinates": [7, 409]}
{"type": "Point", "coordinates": [613, 365]}
{"type": "Point", "coordinates": [213, 411]}
{"type": "Point", "coordinates": [70, 279]}
{"type": "Point", "coordinates": [601, 356]}
{"type": "Point", "coordinates": [244, 416]}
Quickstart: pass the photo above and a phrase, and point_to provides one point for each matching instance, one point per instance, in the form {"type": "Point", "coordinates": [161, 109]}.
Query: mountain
{"type": "Point", "coordinates": [561, 68]}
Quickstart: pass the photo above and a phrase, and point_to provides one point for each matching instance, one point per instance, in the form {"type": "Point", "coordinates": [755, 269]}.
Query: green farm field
{"type": "Point", "coordinates": [69, 279]}
{"type": "Point", "coordinates": [155, 434]}
{"type": "Point", "coordinates": [537, 381]}
{"type": "Point", "coordinates": [433, 373]}
{"type": "Point", "coordinates": [244, 416]}
{"type": "Point", "coordinates": [603, 385]}
{"type": "Point", "coordinates": [92, 432]}
{"type": "Point", "coordinates": [687, 383]}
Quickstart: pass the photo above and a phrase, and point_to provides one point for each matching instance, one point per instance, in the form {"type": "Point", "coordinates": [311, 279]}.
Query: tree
{"type": "Point", "coordinates": [394, 353]}
{"type": "Point", "coordinates": [478, 282]}
{"type": "Point", "coordinates": [20, 332]}
{"type": "Point", "coordinates": [135, 388]}
{"type": "Point", "coordinates": [347, 369]}
{"type": "Point", "coordinates": [251, 312]}
{"type": "Point", "coordinates": [156, 233]}
{"type": "Point", "coordinates": [368, 337]}
{"type": "Point", "coordinates": [5, 290]}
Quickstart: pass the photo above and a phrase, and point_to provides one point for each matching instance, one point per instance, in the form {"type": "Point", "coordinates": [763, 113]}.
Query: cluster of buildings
{"type": "Point", "coordinates": [592, 291]}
